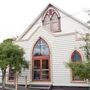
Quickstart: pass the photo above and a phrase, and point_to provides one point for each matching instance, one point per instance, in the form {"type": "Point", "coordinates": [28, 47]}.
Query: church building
{"type": "Point", "coordinates": [51, 41]}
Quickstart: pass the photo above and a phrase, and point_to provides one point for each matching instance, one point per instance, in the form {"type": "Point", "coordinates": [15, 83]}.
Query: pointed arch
{"type": "Point", "coordinates": [76, 56]}
{"type": "Point", "coordinates": [40, 61]}
{"type": "Point", "coordinates": [54, 16]}
{"type": "Point", "coordinates": [46, 21]}
{"type": "Point", "coordinates": [41, 48]}
{"type": "Point", "coordinates": [55, 22]}
{"type": "Point", "coordinates": [51, 20]}
{"type": "Point", "coordinates": [50, 11]}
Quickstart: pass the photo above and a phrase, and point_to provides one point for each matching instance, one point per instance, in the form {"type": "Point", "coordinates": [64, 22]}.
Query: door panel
{"type": "Point", "coordinates": [41, 69]}
{"type": "Point", "coordinates": [45, 69]}
{"type": "Point", "coordinates": [36, 70]}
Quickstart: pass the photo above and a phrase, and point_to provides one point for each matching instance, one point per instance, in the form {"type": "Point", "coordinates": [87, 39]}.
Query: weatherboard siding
{"type": "Point", "coordinates": [67, 25]}
{"type": "Point", "coordinates": [61, 48]}
{"type": "Point", "coordinates": [61, 45]}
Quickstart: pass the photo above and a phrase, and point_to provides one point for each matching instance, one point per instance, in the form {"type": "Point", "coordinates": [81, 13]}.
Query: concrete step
{"type": "Point", "coordinates": [40, 87]}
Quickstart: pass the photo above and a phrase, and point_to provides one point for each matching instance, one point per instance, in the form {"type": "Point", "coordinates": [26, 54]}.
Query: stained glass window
{"type": "Point", "coordinates": [41, 48]}
{"type": "Point", "coordinates": [76, 57]}
{"type": "Point", "coordinates": [40, 63]}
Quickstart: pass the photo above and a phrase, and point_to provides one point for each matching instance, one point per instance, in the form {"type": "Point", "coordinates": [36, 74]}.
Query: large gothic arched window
{"type": "Point", "coordinates": [40, 61]}
{"type": "Point", "coordinates": [51, 20]}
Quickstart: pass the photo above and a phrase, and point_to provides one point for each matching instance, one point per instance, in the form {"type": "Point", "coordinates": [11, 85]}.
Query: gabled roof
{"type": "Point", "coordinates": [40, 15]}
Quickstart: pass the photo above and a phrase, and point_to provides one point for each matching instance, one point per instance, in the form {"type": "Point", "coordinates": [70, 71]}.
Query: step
{"type": "Point", "coordinates": [40, 87]}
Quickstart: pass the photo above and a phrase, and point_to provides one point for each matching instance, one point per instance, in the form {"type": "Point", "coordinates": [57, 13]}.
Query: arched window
{"type": "Point", "coordinates": [76, 57]}
{"type": "Point", "coordinates": [51, 20]}
{"type": "Point", "coordinates": [40, 61]}
{"type": "Point", "coordinates": [55, 23]}
{"type": "Point", "coordinates": [46, 21]}
{"type": "Point", "coordinates": [41, 48]}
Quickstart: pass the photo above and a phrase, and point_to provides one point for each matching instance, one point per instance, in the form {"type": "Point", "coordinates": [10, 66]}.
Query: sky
{"type": "Point", "coordinates": [16, 15]}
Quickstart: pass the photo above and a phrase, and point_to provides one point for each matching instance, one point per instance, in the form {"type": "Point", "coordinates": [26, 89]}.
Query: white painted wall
{"type": "Point", "coordinates": [61, 48]}
{"type": "Point", "coordinates": [68, 25]}
{"type": "Point", "coordinates": [61, 45]}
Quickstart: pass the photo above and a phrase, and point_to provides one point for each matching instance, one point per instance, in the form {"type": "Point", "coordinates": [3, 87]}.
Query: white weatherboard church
{"type": "Point", "coordinates": [49, 42]}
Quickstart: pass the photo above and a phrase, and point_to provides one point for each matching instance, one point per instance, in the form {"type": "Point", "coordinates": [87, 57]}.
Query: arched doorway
{"type": "Point", "coordinates": [41, 61]}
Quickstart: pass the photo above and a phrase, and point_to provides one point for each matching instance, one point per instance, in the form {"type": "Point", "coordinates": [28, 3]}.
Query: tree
{"type": "Point", "coordinates": [4, 61]}
{"type": "Point", "coordinates": [12, 55]}
{"type": "Point", "coordinates": [86, 47]}
{"type": "Point", "coordinates": [82, 69]}
{"type": "Point", "coordinates": [16, 60]}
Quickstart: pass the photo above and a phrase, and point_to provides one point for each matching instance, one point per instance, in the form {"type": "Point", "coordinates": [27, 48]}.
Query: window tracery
{"type": "Point", "coordinates": [51, 20]}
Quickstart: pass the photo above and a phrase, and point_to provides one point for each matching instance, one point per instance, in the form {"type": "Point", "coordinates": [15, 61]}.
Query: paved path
{"type": "Point", "coordinates": [19, 88]}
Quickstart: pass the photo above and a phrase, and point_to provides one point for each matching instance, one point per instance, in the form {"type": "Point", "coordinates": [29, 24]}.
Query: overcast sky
{"type": "Point", "coordinates": [16, 15]}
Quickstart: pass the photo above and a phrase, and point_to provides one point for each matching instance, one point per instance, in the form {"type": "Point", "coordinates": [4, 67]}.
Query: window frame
{"type": "Point", "coordinates": [58, 22]}
{"type": "Point", "coordinates": [73, 76]}
{"type": "Point", "coordinates": [47, 13]}
{"type": "Point", "coordinates": [75, 51]}
{"type": "Point", "coordinates": [41, 58]}
{"type": "Point", "coordinates": [11, 80]}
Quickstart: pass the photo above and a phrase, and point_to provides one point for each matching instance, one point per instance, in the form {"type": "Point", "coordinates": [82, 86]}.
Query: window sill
{"type": "Point", "coordinates": [11, 80]}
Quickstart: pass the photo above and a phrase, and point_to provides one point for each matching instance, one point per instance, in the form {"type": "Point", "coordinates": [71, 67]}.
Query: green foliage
{"type": "Point", "coordinates": [16, 59]}
{"type": "Point", "coordinates": [82, 69]}
{"type": "Point", "coordinates": [86, 47]}
{"type": "Point", "coordinates": [3, 55]}
{"type": "Point", "coordinates": [11, 55]}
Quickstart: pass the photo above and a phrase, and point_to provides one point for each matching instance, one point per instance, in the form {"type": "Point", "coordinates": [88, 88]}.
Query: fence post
{"type": "Point", "coordinates": [25, 81]}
